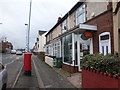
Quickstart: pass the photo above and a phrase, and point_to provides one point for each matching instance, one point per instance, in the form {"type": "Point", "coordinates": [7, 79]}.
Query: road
{"type": "Point", "coordinates": [13, 63]}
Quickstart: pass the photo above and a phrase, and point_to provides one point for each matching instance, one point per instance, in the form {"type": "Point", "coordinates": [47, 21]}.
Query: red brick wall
{"type": "Point", "coordinates": [92, 79]}
{"type": "Point", "coordinates": [105, 24]}
{"type": "Point", "coordinates": [70, 68]}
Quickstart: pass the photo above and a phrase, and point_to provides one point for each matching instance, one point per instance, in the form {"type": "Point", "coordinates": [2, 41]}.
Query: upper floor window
{"type": "Point", "coordinates": [48, 38]}
{"type": "Point", "coordinates": [80, 15]}
{"type": "Point", "coordinates": [64, 26]}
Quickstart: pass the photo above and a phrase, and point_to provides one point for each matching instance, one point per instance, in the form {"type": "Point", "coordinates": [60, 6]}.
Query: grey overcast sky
{"type": "Point", "coordinates": [14, 15]}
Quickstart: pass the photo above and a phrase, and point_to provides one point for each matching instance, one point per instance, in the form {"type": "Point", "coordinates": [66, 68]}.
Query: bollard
{"type": "Point", "coordinates": [27, 64]}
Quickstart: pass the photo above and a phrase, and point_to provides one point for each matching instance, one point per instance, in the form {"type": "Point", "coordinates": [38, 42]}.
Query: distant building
{"type": "Point", "coordinates": [41, 40]}
{"type": "Point", "coordinates": [6, 47]}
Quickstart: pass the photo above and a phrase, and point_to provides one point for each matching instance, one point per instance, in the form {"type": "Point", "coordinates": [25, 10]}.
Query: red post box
{"type": "Point", "coordinates": [27, 64]}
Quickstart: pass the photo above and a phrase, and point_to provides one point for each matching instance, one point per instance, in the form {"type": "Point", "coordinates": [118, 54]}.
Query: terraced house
{"type": "Point", "coordinates": [86, 29]}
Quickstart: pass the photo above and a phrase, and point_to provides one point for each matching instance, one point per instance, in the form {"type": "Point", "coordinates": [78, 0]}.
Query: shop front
{"type": "Point", "coordinates": [75, 45]}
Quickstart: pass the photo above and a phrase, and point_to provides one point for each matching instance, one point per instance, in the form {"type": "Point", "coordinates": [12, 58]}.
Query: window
{"type": "Point", "coordinates": [56, 49]}
{"type": "Point", "coordinates": [47, 50]}
{"type": "Point", "coordinates": [67, 49]}
{"type": "Point", "coordinates": [80, 15]}
{"type": "Point", "coordinates": [64, 26]}
{"type": "Point", "coordinates": [48, 38]}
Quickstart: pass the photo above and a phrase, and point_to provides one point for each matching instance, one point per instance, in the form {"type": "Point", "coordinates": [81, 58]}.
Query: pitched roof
{"type": "Point", "coordinates": [78, 4]}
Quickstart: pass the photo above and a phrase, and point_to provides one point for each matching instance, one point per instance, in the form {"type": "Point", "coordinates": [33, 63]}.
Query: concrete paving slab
{"type": "Point", "coordinates": [50, 78]}
{"type": "Point", "coordinates": [29, 82]}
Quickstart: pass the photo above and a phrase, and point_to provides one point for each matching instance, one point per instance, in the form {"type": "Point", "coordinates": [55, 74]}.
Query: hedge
{"type": "Point", "coordinates": [107, 64]}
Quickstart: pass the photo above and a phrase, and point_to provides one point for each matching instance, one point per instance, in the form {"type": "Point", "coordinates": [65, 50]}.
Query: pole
{"type": "Point", "coordinates": [26, 37]}
{"type": "Point", "coordinates": [29, 26]}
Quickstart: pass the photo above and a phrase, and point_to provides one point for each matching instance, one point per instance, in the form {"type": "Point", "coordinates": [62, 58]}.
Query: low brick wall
{"type": "Point", "coordinates": [41, 55]}
{"type": "Point", "coordinates": [72, 69]}
{"type": "Point", "coordinates": [95, 79]}
{"type": "Point", "coordinates": [49, 61]}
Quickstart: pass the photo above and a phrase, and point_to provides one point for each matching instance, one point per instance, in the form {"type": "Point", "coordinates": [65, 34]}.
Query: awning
{"type": "Point", "coordinates": [88, 27]}
{"type": "Point", "coordinates": [81, 28]}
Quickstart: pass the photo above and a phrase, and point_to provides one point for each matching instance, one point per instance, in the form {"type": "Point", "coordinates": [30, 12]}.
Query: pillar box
{"type": "Point", "coordinates": [27, 64]}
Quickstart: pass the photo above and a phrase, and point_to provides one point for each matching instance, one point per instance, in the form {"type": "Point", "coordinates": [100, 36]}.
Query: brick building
{"type": "Point", "coordinates": [6, 47]}
{"type": "Point", "coordinates": [86, 29]}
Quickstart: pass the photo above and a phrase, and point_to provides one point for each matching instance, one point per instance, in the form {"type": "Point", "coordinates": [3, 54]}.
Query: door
{"type": "Point", "coordinates": [104, 43]}
{"type": "Point", "coordinates": [82, 48]}
{"type": "Point", "coordinates": [105, 47]}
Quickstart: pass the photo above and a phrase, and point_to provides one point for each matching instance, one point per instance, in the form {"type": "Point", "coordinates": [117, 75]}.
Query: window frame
{"type": "Point", "coordinates": [79, 13]}
{"type": "Point", "coordinates": [109, 42]}
{"type": "Point", "coordinates": [64, 24]}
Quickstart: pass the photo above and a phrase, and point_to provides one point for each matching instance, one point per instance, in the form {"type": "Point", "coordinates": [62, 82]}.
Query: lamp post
{"type": "Point", "coordinates": [29, 26]}
{"type": "Point", "coordinates": [26, 37]}
{"type": "Point", "coordinates": [27, 56]}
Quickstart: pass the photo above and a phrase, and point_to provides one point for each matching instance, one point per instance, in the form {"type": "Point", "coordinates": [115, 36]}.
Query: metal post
{"type": "Point", "coordinates": [26, 36]}
{"type": "Point", "coordinates": [29, 26]}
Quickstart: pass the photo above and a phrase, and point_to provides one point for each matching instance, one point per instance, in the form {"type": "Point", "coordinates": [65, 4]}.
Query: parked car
{"type": "Point", "coordinates": [3, 77]}
{"type": "Point", "coordinates": [24, 51]}
{"type": "Point", "coordinates": [13, 51]}
{"type": "Point", "coordinates": [18, 52]}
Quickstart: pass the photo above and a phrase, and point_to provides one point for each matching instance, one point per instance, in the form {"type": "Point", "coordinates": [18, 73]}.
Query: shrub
{"type": "Point", "coordinates": [108, 64]}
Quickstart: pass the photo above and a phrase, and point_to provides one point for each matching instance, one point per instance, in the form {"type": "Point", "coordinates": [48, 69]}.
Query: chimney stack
{"type": "Point", "coordinates": [59, 18]}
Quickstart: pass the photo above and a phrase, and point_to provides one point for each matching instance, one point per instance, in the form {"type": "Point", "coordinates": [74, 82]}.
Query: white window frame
{"type": "Point", "coordinates": [79, 13]}
{"type": "Point", "coordinates": [109, 42]}
{"type": "Point", "coordinates": [64, 24]}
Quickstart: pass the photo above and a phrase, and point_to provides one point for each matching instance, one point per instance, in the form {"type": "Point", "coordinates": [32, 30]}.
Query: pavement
{"type": "Point", "coordinates": [27, 81]}
{"type": "Point", "coordinates": [48, 77]}
{"type": "Point", "coordinates": [74, 78]}
{"type": "Point", "coordinates": [44, 76]}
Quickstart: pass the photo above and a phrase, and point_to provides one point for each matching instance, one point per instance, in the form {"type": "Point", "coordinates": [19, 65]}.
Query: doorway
{"type": "Point", "coordinates": [104, 43]}
{"type": "Point", "coordinates": [82, 48]}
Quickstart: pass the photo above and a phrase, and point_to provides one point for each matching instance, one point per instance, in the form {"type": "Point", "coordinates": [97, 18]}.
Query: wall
{"type": "Point", "coordinates": [119, 19]}
{"type": "Point", "coordinates": [71, 21]}
{"type": "Point", "coordinates": [115, 28]}
{"type": "Point", "coordinates": [42, 41]}
{"type": "Point", "coordinates": [96, 8]}
{"type": "Point", "coordinates": [56, 32]}
{"type": "Point", "coordinates": [119, 41]}
{"type": "Point", "coordinates": [49, 61]}
{"type": "Point", "coordinates": [92, 79]}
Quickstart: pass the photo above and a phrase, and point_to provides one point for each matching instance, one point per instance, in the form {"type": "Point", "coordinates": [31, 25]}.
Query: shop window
{"type": "Point", "coordinates": [67, 49]}
{"type": "Point", "coordinates": [84, 49]}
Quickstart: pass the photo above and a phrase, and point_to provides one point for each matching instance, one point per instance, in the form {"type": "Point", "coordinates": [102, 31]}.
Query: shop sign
{"type": "Point", "coordinates": [86, 35]}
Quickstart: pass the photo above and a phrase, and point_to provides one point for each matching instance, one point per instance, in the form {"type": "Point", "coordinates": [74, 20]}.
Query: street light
{"type": "Point", "coordinates": [26, 37]}
{"type": "Point", "coordinates": [28, 34]}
